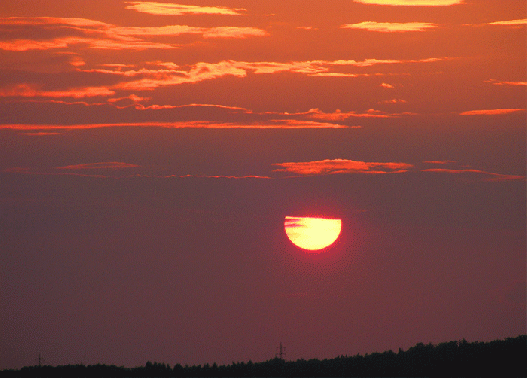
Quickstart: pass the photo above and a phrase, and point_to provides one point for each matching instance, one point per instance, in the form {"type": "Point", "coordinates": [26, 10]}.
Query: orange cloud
{"type": "Point", "coordinates": [134, 98]}
{"type": "Point", "coordinates": [233, 32]}
{"type": "Point", "coordinates": [395, 101]}
{"type": "Point", "coordinates": [335, 166]}
{"type": "Point", "coordinates": [26, 44]}
{"type": "Point", "coordinates": [175, 30]}
{"type": "Point", "coordinates": [102, 165]}
{"type": "Point", "coordinates": [339, 115]}
{"type": "Point", "coordinates": [390, 27]}
{"type": "Point", "coordinates": [206, 71]}
{"type": "Point", "coordinates": [26, 90]}
{"type": "Point", "coordinates": [296, 124]}
{"type": "Point", "coordinates": [272, 124]}
{"type": "Point", "coordinates": [57, 21]}
{"type": "Point", "coordinates": [388, 86]}
{"type": "Point", "coordinates": [491, 111]}
{"type": "Point", "coordinates": [40, 134]}
{"type": "Point", "coordinates": [100, 35]}
{"type": "Point", "coordinates": [511, 22]}
{"type": "Point", "coordinates": [109, 170]}
{"type": "Point", "coordinates": [493, 176]}
{"type": "Point", "coordinates": [320, 66]}
{"type": "Point", "coordinates": [198, 72]}
{"type": "Point", "coordinates": [105, 40]}
{"type": "Point", "coordinates": [336, 74]}
{"type": "Point", "coordinates": [514, 83]}
{"type": "Point", "coordinates": [408, 3]}
{"type": "Point", "coordinates": [371, 62]}
{"type": "Point", "coordinates": [171, 9]}
{"type": "Point", "coordinates": [224, 107]}
{"type": "Point", "coordinates": [439, 162]}
{"type": "Point", "coordinates": [225, 177]}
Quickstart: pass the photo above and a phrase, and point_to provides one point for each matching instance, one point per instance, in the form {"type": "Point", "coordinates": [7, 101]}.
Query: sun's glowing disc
{"type": "Point", "coordinates": [312, 233]}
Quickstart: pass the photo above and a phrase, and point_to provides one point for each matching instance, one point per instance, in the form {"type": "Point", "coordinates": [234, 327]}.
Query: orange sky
{"type": "Point", "coordinates": [419, 57]}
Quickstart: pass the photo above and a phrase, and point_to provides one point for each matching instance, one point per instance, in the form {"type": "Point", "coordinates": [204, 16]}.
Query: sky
{"type": "Point", "coordinates": [150, 152]}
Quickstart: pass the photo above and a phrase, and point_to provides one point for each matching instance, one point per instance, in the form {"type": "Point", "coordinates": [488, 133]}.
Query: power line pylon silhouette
{"type": "Point", "coordinates": [281, 352]}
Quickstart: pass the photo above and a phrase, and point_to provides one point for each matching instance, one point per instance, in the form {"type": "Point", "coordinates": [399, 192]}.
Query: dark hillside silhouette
{"type": "Point", "coordinates": [455, 358]}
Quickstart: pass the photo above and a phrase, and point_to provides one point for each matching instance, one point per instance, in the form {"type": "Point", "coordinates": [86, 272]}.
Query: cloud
{"type": "Point", "coordinates": [40, 133]}
{"type": "Point", "coordinates": [223, 107]}
{"type": "Point", "coordinates": [16, 170]}
{"type": "Point", "coordinates": [233, 32]}
{"type": "Point", "coordinates": [56, 21]}
{"type": "Point", "coordinates": [62, 33]}
{"type": "Point", "coordinates": [338, 115]}
{"type": "Point", "coordinates": [102, 165]}
{"type": "Point", "coordinates": [64, 43]}
{"type": "Point", "coordinates": [336, 74]}
{"type": "Point", "coordinates": [390, 27]}
{"type": "Point", "coordinates": [171, 9]}
{"type": "Point", "coordinates": [135, 111]}
{"type": "Point", "coordinates": [511, 22]}
{"type": "Point", "coordinates": [395, 101]}
{"type": "Point", "coordinates": [338, 166]}
{"type": "Point", "coordinates": [133, 98]}
{"type": "Point", "coordinates": [176, 30]}
{"type": "Point", "coordinates": [493, 176]}
{"type": "Point", "coordinates": [491, 111]}
{"type": "Point", "coordinates": [198, 72]}
{"type": "Point", "coordinates": [300, 124]}
{"type": "Point", "coordinates": [27, 90]}
{"type": "Point", "coordinates": [423, 3]}
{"type": "Point", "coordinates": [206, 71]}
{"type": "Point", "coordinates": [388, 86]}
{"type": "Point", "coordinates": [156, 74]}
{"type": "Point", "coordinates": [371, 62]}
{"type": "Point", "coordinates": [311, 67]}
{"type": "Point", "coordinates": [439, 162]}
{"type": "Point", "coordinates": [270, 124]}
{"type": "Point", "coordinates": [111, 170]}
{"type": "Point", "coordinates": [343, 166]}
{"type": "Point", "coordinates": [224, 177]}
{"type": "Point", "coordinates": [513, 83]}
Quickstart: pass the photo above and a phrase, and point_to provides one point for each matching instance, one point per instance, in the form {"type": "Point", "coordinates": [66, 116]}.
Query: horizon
{"type": "Point", "coordinates": [151, 153]}
{"type": "Point", "coordinates": [280, 355]}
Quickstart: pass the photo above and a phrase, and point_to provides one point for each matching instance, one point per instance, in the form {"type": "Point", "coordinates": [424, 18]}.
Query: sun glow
{"type": "Point", "coordinates": [312, 234]}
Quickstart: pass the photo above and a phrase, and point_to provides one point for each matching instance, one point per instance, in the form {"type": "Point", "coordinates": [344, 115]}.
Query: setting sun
{"type": "Point", "coordinates": [312, 233]}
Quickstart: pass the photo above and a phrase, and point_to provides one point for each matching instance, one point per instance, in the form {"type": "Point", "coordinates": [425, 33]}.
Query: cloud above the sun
{"type": "Point", "coordinates": [65, 33]}
{"type": "Point", "coordinates": [390, 27]}
{"type": "Point", "coordinates": [116, 169]}
{"type": "Point", "coordinates": [206, 71]}
{"type": "Point", "coordinates": [409, 3]}
{"type": "Point", "coordinates": [522, 21]}
{"type": "Point", "coordinates": [339, 166]}
{"type": "Point", "coordinates": [488, 176]}
{"type": "Point", "coordinates": [491, 112]}
{"type": "Point", "coordinates": [172, 9]}
{"type": "Point", "coordinates": [100, 165]}
{"type": "Point", "coordinates": [28, 90]}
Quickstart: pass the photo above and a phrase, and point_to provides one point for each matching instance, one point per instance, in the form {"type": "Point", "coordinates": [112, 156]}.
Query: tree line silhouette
{"type": "Point", "coordinates": [455, 358]}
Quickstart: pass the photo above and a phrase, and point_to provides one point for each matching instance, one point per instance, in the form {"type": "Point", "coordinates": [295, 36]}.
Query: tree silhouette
{"type": "Point", "coordinates": [504, 358]}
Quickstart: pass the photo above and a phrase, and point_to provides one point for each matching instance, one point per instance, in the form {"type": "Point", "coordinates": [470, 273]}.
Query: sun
{"type": "Point", "coordinates": [312, 234]}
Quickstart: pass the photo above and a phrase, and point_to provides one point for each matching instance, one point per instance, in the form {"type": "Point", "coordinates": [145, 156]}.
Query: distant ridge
{"type": "Point", "coordinates": [503, 358]}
